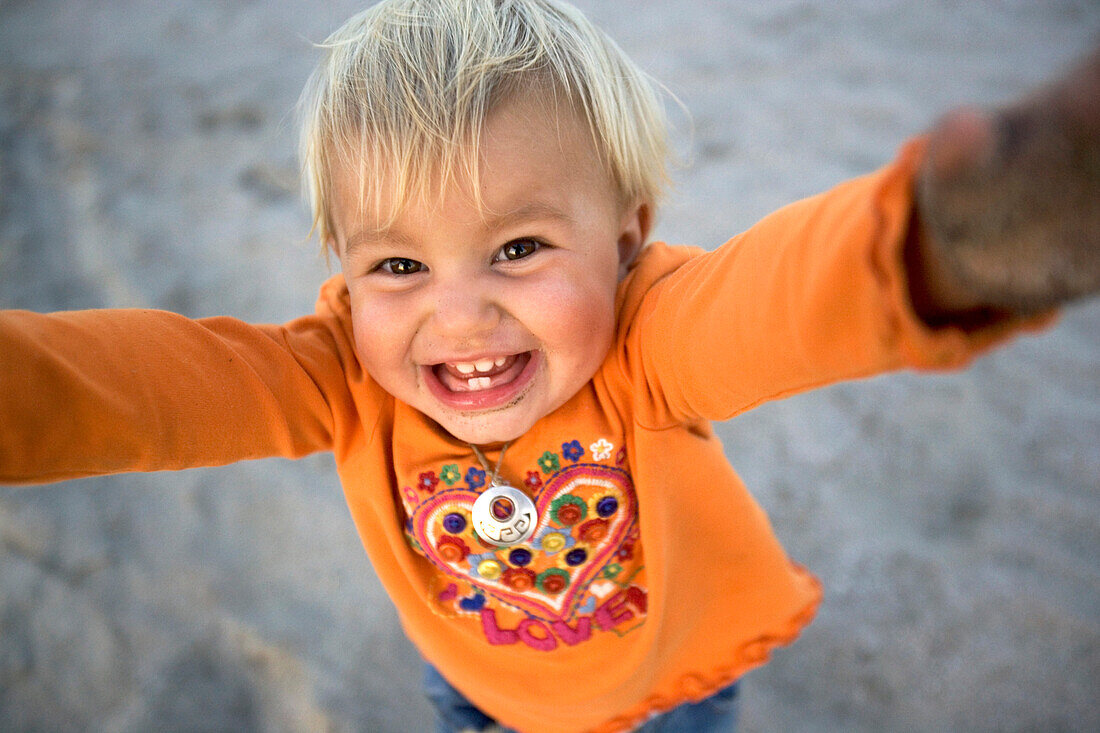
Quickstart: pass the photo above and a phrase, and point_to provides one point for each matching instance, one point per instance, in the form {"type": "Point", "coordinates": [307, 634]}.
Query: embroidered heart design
{"type": "Point", "coordinates": [585, 513]}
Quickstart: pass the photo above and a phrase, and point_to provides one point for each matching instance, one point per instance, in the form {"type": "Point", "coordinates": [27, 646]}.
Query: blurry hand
{"type": "Point", "coordinates": [1008, 203]}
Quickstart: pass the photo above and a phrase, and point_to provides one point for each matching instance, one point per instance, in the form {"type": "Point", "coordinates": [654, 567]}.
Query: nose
{"type": "Point", "coordinates": [465, 309]}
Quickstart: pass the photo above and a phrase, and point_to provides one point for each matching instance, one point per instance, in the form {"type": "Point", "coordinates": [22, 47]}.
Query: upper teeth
{"type": "Point", "coordinates": [481, 365]}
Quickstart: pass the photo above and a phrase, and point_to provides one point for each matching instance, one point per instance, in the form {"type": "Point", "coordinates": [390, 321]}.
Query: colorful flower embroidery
{"type": "Point", "coordinates": [450, 474]}
{"type": "Point", "coordinates": [489, 569]}
{"type": "Point", "coordinates": [533, 480]}
{"type": "Point", "coordinates": [475, 478]}
{"type": "Point", "coordinates": [410, 494]}
{"type": "Point", "coordinates": [593, 530]}
{"type": "Point", "coordinates": [486, 565]}
{"type": "Point", "coordinates": [549, 462]}
{"type": "Point", "coordinates": [454, 522]}
{"type": "Point", "coordinates": [601, 450]}
{"type": "Point", "coordinates": [475, 560]}
{"type": "Point", "coordinates": [576, 556]}
{"type": "Point", "coordinates": [572, 450]}
{"type": "Point", "coordinates": [520, 556]}
{"type": "Point", "coordinates": [606, 506]}
{"type": "Point", "coordinates": [427, 482]}
{"type": "Point", "coordinates": [552, 541]}
{"type": "Point", "coordinates": [452, 549]}
{"type": "Point", "coordinates": [553, 580]}
{"type": "Point", "coordinates": [520, 579]}
{"type": "Point", "coordinates": [567, 510]}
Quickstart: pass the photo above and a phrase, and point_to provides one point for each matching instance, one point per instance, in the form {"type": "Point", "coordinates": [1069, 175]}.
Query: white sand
{"type": "Point", "coordinates": [147, 159]}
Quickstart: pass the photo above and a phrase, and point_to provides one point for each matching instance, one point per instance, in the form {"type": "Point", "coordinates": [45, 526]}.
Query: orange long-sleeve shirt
{"type": "Point", "coordinates": [653, 577]}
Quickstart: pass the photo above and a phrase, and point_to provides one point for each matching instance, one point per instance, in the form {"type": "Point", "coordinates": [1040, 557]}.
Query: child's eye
{"type": "Point", "coordinates": [400, 266]}
{"type": "Point", "coordinates": [518, 249]}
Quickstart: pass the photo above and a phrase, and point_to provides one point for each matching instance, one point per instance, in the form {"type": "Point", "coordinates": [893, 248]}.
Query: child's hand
{"type": "Point", "coordinates": [1009, 204]}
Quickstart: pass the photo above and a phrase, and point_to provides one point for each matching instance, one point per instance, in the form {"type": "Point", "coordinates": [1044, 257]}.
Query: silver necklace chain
{"type": "Point", "coordinates": [494, 474]}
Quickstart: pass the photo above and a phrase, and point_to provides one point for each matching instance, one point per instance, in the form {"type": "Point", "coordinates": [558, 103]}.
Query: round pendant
{"type": "Point", "coordinates": [504, 515]}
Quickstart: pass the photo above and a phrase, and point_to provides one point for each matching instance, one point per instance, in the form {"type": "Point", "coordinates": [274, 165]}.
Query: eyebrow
{"type": "Point", "coordinates": [365, 238]}
{"type": "Point", "coordinates": [530, 212]}
{"type": "Point", "coordinates": [533, 211]}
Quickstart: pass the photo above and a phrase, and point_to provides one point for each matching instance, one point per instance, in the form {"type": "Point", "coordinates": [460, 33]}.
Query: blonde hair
{"type": "Point", "coordinates": [405, 88]}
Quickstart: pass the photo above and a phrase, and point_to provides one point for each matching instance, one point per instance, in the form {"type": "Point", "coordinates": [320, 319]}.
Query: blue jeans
{"type": "Point", "coordinates": [715, 714]}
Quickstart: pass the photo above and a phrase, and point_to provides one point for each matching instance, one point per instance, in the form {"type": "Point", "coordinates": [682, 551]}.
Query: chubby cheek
{"type": "Point", "coordinates": [575, 325]}
{"type": "Point", "coordinates": [381, 343]}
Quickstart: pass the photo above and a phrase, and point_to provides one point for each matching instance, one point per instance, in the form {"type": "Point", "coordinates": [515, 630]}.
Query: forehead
{"type": "Point", "coordinates": [535, 156]}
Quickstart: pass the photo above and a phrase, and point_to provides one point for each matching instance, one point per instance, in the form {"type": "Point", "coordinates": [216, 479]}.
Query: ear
{"type": "Point", "coordinates": [633, 233]}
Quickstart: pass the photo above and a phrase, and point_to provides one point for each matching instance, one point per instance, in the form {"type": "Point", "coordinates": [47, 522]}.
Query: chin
{"type": "Point", "coordinates": [485, 430]}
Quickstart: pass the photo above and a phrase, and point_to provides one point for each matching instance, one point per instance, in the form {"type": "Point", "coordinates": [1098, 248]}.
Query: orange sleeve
{"type": "Point", "coordinates": [812, 294]}
{"type": "Point", "coordinates": [92, 392]}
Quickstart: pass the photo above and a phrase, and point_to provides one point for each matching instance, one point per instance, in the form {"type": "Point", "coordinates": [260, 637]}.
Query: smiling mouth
{"type": "Point", "coordinates": [475, 376]}
{"type": "Point", "coordinates": [483, 383]}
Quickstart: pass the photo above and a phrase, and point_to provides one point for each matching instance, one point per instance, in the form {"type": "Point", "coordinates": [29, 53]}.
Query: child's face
{"type": "Point", "coordinates": [487, 319]}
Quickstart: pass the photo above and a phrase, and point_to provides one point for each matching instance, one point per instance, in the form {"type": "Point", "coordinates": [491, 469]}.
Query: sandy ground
{"type": "Point", "coordinates": [147, 159]}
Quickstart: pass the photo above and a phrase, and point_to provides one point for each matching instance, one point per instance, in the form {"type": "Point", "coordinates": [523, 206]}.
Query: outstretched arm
{"type": "Point", "coordinates": [973, 234]}
{"type": "Point", "coordinates": [1008, 205]}
{"type": "Point", "coordinates": [94, 392]}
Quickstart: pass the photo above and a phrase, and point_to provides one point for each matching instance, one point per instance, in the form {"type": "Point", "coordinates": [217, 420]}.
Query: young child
{"type": "Point", "coordinates": [487, 177]}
